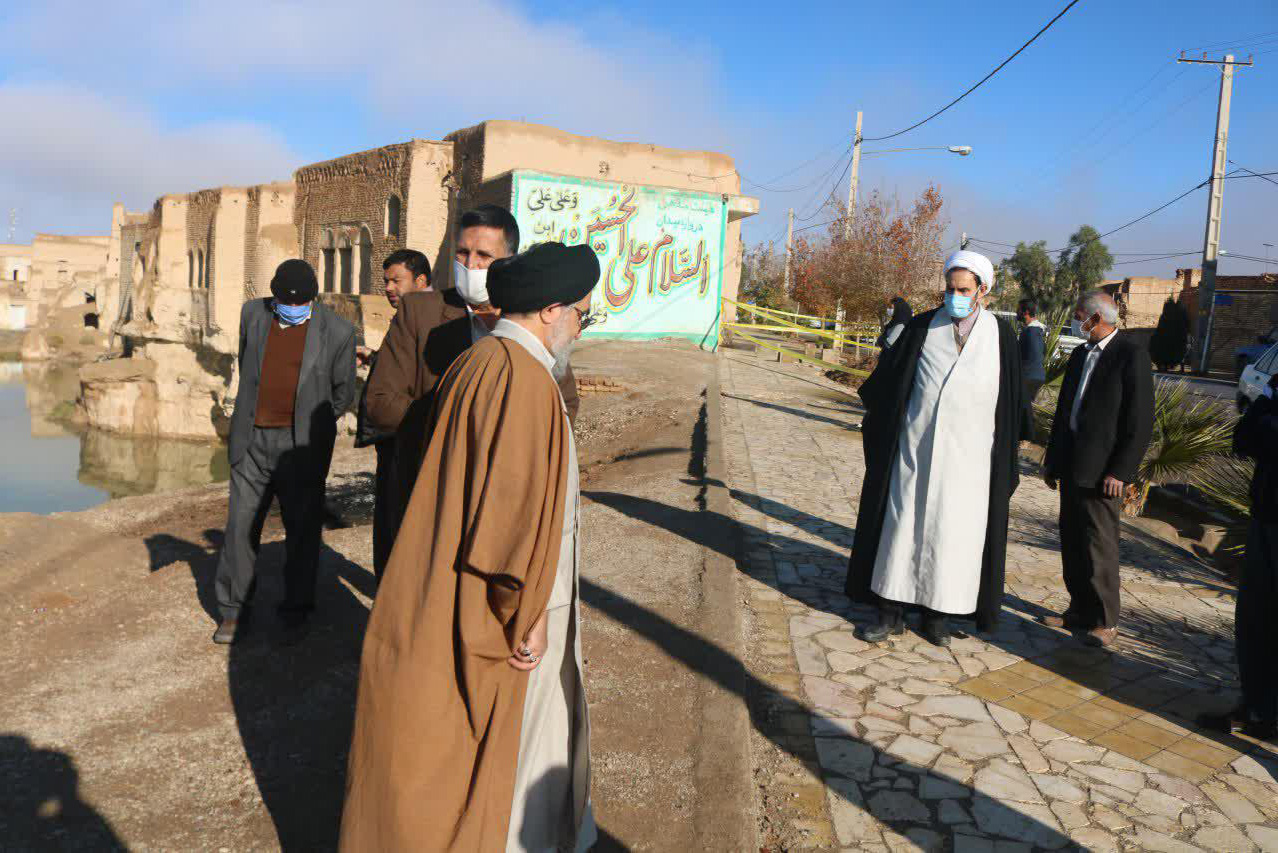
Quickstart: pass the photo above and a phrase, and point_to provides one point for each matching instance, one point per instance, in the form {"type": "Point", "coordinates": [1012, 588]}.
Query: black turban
{"type": "Point", "coordinates": [294, 282]}
{"type": "Point", "coordinates": [547, 274]}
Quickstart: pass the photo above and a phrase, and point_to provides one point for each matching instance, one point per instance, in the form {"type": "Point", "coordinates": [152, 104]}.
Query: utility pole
{"type": "Point", "coordinates": [789, 249]}
{"type": "Point", "coordinates": [1215, 206]}
{"type": "Point", "coordinates": [856, 173]}
{"type": "Point", "coordinates": [963, 241]}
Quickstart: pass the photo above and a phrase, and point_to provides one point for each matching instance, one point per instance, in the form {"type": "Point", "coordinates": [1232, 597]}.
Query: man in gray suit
{"type": "Point", "coordinates": [297, 377]}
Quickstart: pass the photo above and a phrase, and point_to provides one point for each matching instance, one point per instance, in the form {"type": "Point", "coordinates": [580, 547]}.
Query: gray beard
{"type": "Point", "coordinates": [562, 359]}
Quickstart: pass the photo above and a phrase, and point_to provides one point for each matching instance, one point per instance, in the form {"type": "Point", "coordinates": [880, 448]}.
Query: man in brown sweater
{"type": "Point", "coordinates": [297, 377]}
{"type": "Point", "coordinates": [430, 330]}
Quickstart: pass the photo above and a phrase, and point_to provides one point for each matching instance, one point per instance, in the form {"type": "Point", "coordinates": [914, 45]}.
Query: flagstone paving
{"type": "Point", "coordinates": [1023, 739]}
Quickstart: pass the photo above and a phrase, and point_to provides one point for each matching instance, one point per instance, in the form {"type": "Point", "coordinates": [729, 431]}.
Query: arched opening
{"type": "Point", "coordinates": [365, 243]}
{"type": "Point", "coordinates": [393, 209]}
{"type": "Point", "coordinates": [327, 262]}
{"type": "Point", "coordinates": [201, 280]}
{"type": "Point", "coordinates": [345, 261]}
{"type": "Point", "coordinates": [190, 269]}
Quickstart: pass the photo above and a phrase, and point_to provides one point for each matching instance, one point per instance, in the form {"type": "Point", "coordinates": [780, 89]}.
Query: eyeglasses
{"type": "Point", "coordinates": [585, 321]}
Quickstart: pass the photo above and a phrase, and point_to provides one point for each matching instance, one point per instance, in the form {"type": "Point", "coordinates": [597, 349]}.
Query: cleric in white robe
{"type": "Point", "coordinates": [941, 432]}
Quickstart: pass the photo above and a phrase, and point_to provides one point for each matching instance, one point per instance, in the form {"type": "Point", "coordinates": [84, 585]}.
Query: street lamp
{"type": "Point", "coordinates": [961, 150]}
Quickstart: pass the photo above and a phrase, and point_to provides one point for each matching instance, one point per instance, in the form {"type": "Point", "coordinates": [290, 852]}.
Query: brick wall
{"type": "Point", "coordinates": [251, 219]}
{"type": "Point", "coordinates": [201, 235]}
{"type": "Point", "coordinates": [349, 193]}
{"type": "Point", "coordinates": [1243, 316]}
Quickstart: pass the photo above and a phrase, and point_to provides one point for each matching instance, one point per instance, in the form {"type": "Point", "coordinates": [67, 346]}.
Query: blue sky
{"type": "Point", "coordinates": [1094, 123]}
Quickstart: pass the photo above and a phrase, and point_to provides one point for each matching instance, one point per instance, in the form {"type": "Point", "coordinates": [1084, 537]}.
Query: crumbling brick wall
{"type": "Point", "coordinates": [349, 193]}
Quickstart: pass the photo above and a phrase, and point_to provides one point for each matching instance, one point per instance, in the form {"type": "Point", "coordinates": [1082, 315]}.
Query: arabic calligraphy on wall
{"type": "Point", "coordinates": [660, 250]}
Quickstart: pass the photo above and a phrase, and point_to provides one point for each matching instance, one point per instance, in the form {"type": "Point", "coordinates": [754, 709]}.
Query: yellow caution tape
{"type": "Point", "coordinates": [767, 314]}
{"type": "Point", "coordinates": [800, 356]}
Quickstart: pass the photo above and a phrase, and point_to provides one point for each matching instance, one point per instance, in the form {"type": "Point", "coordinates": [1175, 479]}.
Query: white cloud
{"type": "Point", "coordinates": [73, 153]}
{"type": "Point", "coordinates": [406, 59]}
{"type": "Point", "coordinates": [421, 67]}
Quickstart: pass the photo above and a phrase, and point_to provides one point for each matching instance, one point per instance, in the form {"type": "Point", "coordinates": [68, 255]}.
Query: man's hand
{"type": "Point", "coordinates": [530, 652]}
{"type": "Point", "coordinates": [1112, 487]}
{"type": "Point", "coordinates": [1049, 480]}
{"type": "Point", "coordinates": [362, 355]}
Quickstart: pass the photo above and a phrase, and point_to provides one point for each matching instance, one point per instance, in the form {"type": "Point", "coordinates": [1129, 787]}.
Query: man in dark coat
{"type": "Point", "coordinates": [1103, 424]}
{"type": "Point", "coordinates": [899, 314]}
{"type": "Point", "coordinates": [404, 271]}
{"type": "Point", "coordinates": [429, 331]}
{"type": "Point", "coordinates": [1033, 346]}
{"type": "Point", "coordinates": [925, 536]}
{"type": "Point", "coordinates": [1255, 628]}
{"type": "Point", "coordinates": [297, 377]}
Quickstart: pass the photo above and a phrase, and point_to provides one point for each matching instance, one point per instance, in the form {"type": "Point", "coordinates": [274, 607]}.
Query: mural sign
{"type": "Point", "coordinates": [660, 250]}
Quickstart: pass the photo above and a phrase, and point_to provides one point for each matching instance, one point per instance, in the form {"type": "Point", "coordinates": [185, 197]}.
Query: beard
{"type": "Point", "coordinates": [561, 348]}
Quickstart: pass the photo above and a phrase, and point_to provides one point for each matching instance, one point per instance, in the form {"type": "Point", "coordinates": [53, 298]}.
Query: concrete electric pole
{"type": "Point", "coordinates": [1215, 208]}
{"type": "Point", "coordinates": [856, 176]}
{"type": "Point", "coordinates": [789, 248]}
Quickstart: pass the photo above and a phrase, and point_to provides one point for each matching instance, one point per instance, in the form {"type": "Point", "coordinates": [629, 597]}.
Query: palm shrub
{"type": "Point", "coordinates": [1189, 440]}
{"type": "Point", "coordinates": [1191, 444]}
{"type": "Point", "coordinates": [1054, 360]}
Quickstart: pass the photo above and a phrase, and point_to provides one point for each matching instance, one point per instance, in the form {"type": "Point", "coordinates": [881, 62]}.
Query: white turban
{"type": "Point", "coordinates": [976, 263]}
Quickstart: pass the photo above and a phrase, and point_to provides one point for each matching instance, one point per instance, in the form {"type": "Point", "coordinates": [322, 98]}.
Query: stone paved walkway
{"type": "Point", "coordinates": [1024, 739]}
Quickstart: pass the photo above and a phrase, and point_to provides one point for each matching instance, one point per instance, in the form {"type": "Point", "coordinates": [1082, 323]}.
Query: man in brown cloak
{"type": "Point", "coordinates": [429, 331]}
{"type": "Point", "coordinates": [471, 731]}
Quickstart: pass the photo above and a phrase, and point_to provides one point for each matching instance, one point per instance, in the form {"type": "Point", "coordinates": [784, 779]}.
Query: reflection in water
{"type": "Point", "coordinates": [47, 466]}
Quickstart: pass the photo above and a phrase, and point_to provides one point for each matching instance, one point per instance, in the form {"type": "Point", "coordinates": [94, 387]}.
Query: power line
{"type": "Point", "coordinates": [979, 83]}
{"type": "Point", "coordinates": [808, 185]}
{"type": "Point", "coordinates": [1229, 255]}
{"type": "Point", "coordinates": [829, 196]}
{"type": "Point", "coordinates": [1251, 174]}
{"type": "Point", "coordinates": [1220, 45]}
{"type": "Point", "coordinates": [1158, 258]}
{"type": "Point", "coordinates": [1125, 225]}
{"type": "Point", "coordinates": [790, 172]}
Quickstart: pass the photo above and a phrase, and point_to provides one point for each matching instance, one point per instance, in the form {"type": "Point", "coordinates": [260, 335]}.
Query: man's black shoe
{"type": "Point", "coordinates": [1237, 720]}
{"type": "Point", "coordinates": [228, 632]}
{"type": "Point", "coordinates": [891, 622]}
{"type": "Point", "coordinates": [936, 630]}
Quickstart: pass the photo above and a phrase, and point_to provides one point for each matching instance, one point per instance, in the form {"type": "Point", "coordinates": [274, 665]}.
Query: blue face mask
{"type": "Point", "coordinates": [291, 315]}
{"type": "Point", "coordinates": [958, 305]}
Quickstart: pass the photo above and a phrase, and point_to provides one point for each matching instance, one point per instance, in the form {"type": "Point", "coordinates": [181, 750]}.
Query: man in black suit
{"type": "Point", "coordinates": [1104, 420]}
{"type": "Point", "coordinates": [297, 377]}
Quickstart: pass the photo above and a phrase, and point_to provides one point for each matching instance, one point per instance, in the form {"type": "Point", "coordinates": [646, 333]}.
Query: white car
{"type": "Point", "coordinates": [1066, 343]}
{"type": "Point", "coordinates": [1256, 376]}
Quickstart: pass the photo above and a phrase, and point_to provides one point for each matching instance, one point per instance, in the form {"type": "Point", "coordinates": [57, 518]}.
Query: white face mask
{"type": "Point", "coordinates": [471, 284]}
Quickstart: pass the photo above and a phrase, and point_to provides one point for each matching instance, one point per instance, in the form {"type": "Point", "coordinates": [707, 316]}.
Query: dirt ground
{"type": "Point", "coordinates": [122, 726]}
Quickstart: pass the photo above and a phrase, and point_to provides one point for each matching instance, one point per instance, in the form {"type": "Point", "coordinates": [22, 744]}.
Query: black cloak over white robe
{"type": "Point", "coordinates": [886, 394]}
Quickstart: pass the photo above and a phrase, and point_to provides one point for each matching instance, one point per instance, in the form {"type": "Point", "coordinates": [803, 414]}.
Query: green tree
{"type": "Point", "coordinates": [763, 277]}
{"type": "Point", "coordinates": [1170, 341]}
{"type": "Point", "coordinates": [1032, 268]}
{"type": "Point", "coordinates": [1087, 259]}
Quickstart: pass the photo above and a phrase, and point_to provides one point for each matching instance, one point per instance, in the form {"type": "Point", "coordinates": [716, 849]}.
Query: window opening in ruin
{"type": "Point", "coordinates": [365, 261]}
{"type": "Point", "coordinates": [202, 282]}
{"type": "Point", "coordinates": [326, 261]}
{"type": "Point", "coordinates": [190, 270]}
{"type": "Point", "coordinates": [393, 206]}
{"type": "Point", "coordinates": [344, 265]}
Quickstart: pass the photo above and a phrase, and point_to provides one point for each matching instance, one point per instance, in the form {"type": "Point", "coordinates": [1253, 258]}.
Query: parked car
{"type": "Point", "coordinates": [1065, 343]}
{"type": "Point", "coordinates": [1256, 376]}
{"type": "Point", "coordinates": [1251, 353]}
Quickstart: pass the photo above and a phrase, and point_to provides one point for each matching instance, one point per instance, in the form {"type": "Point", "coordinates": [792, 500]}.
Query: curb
{"type": "Point", "coordinates": [724, 771]}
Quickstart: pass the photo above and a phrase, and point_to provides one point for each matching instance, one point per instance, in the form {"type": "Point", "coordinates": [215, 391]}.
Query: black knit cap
{"type": "Point", "coordinates": [547, 274]}
{"type": "Point", "coordinates": [294, 282]}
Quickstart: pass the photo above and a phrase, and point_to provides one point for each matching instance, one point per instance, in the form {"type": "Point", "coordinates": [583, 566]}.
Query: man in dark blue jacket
{"type": "Point", "coordinates": [1033, 349]}
{"type": "Point", "coordinates": [1255, 628]}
